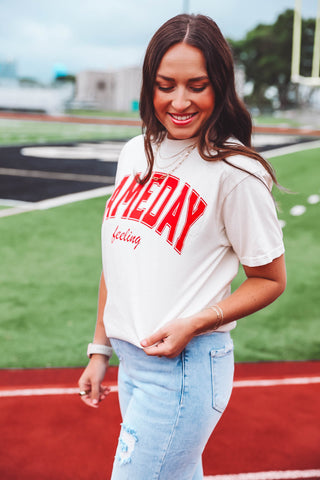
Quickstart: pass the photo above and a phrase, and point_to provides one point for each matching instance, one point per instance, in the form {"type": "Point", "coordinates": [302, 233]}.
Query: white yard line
{"type": "Point", "coordinates": [276, 475]}
{"type": "Point", "coordinates": [73, 177]}
{"type": "Point", "coordinates": [277, 152]}
{"type": "Point", "coordinates": [57, 201]}
{"type": "Point", "coordinates": [102, 151]}
{"type": "Point", "coordinates": [30, 392]}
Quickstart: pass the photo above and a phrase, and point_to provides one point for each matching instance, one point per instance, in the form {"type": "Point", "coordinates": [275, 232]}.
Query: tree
{"type": "Point", "coordinates": [65, 78]}
{"type": "Point", "coordinates": [265, 53]}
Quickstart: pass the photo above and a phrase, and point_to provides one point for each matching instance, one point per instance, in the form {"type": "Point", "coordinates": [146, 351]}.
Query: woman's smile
{"type": "Point", "coordinates": [183, 95]}
{"type": "Point", "coordinates": [182, 120]}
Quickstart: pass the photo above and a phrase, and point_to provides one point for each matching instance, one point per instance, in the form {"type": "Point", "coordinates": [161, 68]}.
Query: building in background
{"type": "Point", "coordinates": [94, 89]}
{"type": "Point", "coordinates": [110, 90]}
{"type": "Point", "coordinates": [127, 92]}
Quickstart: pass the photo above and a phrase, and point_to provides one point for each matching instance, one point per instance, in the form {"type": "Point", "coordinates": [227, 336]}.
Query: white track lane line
{"type": "Point", "coordinates": [276, 475]}
{"type": "Point", "coordinates": [30, 392]}
{"type": "Point", "coordinates": [276, 382]}
{"type": "Point", "coordinates": [36, 392]}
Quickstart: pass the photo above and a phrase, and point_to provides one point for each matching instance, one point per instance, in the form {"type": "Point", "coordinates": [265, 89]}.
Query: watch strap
{"type": "Point", "coordinates": [101, 349]}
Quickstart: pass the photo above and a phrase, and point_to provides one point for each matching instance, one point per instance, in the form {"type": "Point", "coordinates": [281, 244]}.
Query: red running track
{"type": "Point", "coordinates": [57, 437]}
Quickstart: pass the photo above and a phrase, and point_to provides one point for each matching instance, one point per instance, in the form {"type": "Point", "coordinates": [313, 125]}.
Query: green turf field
{"type": "Point", "coordinates": [19, 132]}
{"type": "Point", "coordinates": [49, 277]}
{"type": "Point", "coordinates": [289, 328]}
{"type": "Point", "coordinates": [50, 268]}
{"type": "Point", "coordinates": [102, 113]}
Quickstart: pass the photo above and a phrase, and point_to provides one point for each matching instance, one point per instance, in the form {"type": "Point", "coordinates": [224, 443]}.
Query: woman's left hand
{"type": "Point", "coordinates": [170, 340]}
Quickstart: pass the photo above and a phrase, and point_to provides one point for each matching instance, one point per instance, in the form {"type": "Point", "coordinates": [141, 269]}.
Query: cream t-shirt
{"type": "Point", "coordinates": [172, 247]}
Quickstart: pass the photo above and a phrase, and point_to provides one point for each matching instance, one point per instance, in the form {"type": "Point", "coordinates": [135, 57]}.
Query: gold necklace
{"type": "Point", "coordinates": [175, 155]}
{"type": "Point", "coordinates": [179, 158]}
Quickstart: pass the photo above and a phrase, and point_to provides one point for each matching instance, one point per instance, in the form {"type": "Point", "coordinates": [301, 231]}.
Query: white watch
{"type": "Point", "coordinates": [102, 349]}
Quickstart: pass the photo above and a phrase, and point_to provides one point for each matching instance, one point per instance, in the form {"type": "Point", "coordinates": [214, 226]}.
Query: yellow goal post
{"type": "Point", "coordinates": [314, 79]}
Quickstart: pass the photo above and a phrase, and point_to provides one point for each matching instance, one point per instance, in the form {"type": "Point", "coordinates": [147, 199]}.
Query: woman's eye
{"type": "Point", "coordinates": [198, 89]}
{"type": "Point", "coordinates": [164, 89]}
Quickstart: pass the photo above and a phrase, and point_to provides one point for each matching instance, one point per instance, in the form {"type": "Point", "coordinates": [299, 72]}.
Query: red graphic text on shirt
{"type": "Point", "coordinates": [164, 204]}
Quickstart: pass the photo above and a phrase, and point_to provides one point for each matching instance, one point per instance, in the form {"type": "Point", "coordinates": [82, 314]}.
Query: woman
{"type": "Point", "coordinates": [192, 200]}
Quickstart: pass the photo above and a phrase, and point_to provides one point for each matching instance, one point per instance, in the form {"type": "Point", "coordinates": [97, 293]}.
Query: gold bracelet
{"type": "Point", "coordinates": [218, 310]}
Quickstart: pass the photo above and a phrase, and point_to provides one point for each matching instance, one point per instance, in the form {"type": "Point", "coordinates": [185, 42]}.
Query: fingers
{"type": "Point", "coordinates": [154, 351]}
{"type": "Point", "coordinates": [166, 348]}
{"type": "Point", "coordinates": [85, 397]}
{"type": "Point", "coordinates": [95, 394]}
{"type": "Point", "coordinates": [90, 383]}
{"type": "Point", "coordinates": [169, 341]}
{"type": "Point", "coordinates": [154, 345]}
{"type": "Point", "coordinates": [155, 339]}
{"type": "Point", "coordinates": [93, 399]}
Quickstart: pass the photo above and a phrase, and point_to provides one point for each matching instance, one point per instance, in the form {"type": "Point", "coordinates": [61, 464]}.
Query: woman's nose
{"type": "Point", "coordinates": [180, 101]}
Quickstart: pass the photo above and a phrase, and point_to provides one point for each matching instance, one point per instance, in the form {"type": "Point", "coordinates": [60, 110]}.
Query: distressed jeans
{"type": "Point", "coordinates": [170, 407]}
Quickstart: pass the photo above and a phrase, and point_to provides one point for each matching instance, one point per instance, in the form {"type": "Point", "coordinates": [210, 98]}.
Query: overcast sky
{"type": "Point", "coordinates": [110, 34]}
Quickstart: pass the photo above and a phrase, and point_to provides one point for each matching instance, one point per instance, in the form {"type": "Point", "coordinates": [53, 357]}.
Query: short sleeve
{"type": "Point", "coordinates": [121, 165]}
{"type": "Point", "coordinates": [251, 223]}
{"type": "Point", "coordinates": [132, 153]}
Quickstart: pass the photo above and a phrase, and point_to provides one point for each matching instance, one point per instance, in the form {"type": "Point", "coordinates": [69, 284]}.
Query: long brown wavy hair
{"type": "Point", "coordinates": [230, 118]}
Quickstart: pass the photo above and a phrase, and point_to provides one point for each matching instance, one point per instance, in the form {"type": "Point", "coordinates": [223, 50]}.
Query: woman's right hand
{"type": "Point", "coordinates": [91, 381]}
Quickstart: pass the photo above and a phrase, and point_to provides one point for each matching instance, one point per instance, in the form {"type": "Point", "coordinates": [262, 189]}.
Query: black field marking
{"type": "Point", "coordinates": [32, 179]}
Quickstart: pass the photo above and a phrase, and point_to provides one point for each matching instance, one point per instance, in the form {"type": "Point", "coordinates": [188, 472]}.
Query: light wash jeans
{"type": "Point", "coordinates": [170, 407]}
